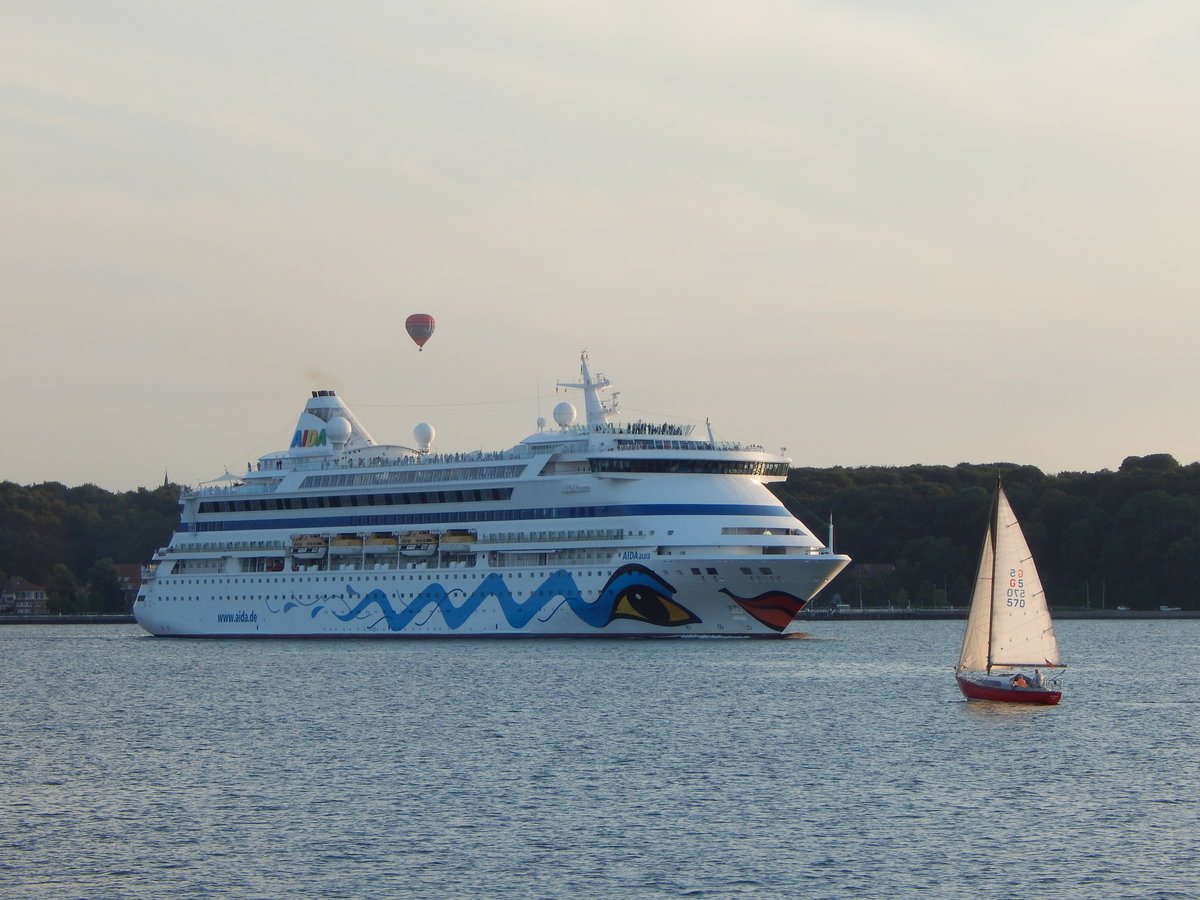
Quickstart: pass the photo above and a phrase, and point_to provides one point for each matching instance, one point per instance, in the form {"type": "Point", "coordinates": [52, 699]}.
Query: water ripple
{"type": "Point", "coordinates": [834, 767]}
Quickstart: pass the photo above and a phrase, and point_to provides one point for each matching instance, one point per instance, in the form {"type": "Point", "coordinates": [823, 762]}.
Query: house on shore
{"type": "Point", "coordinates": [22, 598]}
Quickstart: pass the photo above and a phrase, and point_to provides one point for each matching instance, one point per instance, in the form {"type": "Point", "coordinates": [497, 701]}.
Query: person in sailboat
{"type": "Point", "coordinates": [1019, 681]}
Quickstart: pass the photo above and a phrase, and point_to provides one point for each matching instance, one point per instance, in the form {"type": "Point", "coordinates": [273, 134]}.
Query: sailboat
{"type": "Point", "coordinates": [1008, 626]}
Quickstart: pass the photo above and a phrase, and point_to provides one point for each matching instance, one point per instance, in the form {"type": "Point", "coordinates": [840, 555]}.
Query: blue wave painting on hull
{"type": "Point", "coordinates": [632, 592]}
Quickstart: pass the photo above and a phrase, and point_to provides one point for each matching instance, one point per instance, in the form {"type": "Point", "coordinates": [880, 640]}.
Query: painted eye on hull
{"type": "Point", "coordinates": [642, 596]}
{"type": "Point", "coordinates": [644, 604]}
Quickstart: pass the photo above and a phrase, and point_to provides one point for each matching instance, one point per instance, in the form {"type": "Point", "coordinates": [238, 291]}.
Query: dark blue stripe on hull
{"type": "Point", "coordinates": [490, 515]}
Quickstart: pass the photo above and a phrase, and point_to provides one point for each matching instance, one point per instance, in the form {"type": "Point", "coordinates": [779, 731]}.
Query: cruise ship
{"type": "Point", "coordinates": [584, 528]}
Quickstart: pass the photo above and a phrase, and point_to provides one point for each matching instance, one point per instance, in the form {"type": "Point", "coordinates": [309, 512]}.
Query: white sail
{"type": "Point", "coordinates": [1009, 623]}
{"type": "Point", "coordinates": [974, 655]}
{"type": "Point", "coordinates": [1022, 632]}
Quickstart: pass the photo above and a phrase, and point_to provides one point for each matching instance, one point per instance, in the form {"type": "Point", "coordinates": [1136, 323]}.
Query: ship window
{"type": "Point", "coordinates": [711, 571]}
{"type": "Point", "coordinates": [702, 466]}
{"type": "Point", "coordinates": [765, 570]}
{"type": "Point", "coordinates": [745, 570]}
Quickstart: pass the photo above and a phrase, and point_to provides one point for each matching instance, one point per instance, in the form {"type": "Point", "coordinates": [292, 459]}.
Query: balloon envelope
{"type": "Point", "coordinates": [420, 328]}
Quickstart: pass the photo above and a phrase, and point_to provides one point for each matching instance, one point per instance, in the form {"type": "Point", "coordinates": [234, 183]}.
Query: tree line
{"type": "Point", "coordinates": [69, 540]}
{"type": "Point", "coordinates": [1125, 538]}
{"type": "Point", "coordinates": [1129, 537]}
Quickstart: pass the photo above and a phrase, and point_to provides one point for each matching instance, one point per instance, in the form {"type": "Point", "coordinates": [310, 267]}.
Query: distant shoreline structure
{"type": "Point", "coordinates": [68, 620]}
{"type": "Point", "coordinates": [853, 613]}
{"type": "Point", "coordinates": [815, 615]}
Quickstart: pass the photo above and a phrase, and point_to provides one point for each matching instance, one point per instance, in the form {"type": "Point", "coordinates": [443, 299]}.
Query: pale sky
{"type": "Point", "coordinates": [871, 233]}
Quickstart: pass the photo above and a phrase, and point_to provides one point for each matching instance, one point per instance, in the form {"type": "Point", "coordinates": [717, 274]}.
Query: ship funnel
{"type": "Point", "coordinates": [327, 426]}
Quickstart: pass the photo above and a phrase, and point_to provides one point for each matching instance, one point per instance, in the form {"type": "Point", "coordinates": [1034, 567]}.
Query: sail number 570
{"type": "Point", "coordinates": [1016, 587]}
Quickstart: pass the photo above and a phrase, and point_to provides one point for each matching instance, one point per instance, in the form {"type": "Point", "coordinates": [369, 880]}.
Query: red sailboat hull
{"type": "Point", "coordinates": [973, 690]}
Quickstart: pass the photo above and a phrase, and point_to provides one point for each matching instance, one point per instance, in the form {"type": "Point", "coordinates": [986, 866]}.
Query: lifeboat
{"type": "Point", "coordinates": [345, 543]}
{"type": "Point", "coordinates": [308, 546]}
{"type": "Point", "coordinates": [381, 543]}
{"type": "Point", "coordinates": [418, 543]}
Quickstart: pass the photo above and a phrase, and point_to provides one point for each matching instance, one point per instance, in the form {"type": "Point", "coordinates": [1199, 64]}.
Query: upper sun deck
{"type": "Point", "coordinates": [271, 470]}
{"type": "Point", "coordinates": [329, 442]}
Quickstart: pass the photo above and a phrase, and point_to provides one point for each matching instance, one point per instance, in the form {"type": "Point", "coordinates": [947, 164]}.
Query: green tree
{"type": "Point", "coordinates": [62, 591]}
{"type": "Point", "coordinates": [104, 588]}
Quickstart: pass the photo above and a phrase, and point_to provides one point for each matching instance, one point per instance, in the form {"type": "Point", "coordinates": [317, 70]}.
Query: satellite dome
{"type": "Point", "coordinates": [338, 430]}
{"type": "Point", "coordinates": [564, 414]}
{"type": "Point", "coordinates": [424, 435]}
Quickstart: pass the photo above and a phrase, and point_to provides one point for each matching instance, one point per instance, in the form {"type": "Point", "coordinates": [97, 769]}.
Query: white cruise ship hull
{"type": "Point", "coordinates": [703, 597]}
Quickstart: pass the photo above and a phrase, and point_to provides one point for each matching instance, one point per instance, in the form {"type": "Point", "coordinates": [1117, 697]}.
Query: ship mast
{"type": "Point", "coordinates": [598, 411]}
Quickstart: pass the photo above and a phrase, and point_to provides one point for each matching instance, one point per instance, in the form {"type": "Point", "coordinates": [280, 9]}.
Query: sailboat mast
{"type": "Point", "coordinates": [993, 527]}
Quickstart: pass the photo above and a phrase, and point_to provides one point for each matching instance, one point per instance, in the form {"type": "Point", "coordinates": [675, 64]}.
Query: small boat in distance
{"type": "Point", "coordinates": [1008, 625]}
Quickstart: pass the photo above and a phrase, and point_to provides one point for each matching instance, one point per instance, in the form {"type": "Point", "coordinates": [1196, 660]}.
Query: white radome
{"type": "Point", "coordinates": [424, 434]}
{"type": "Point", "coordinates": [564, 414]}
{"type": "Point", "coordinates": [338, 429]}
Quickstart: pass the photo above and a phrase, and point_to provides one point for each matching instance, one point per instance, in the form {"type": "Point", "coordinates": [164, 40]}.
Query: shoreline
{"type": "Point", "coordinates": [847, 615]}
{"type": "Point", "coordinates": [68, 620]}
{"type": "Point", "coordinates": [813, 615]}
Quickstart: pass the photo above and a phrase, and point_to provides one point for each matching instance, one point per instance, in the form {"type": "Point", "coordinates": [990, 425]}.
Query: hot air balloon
{"type": "Point", "coordinates": [420, 328]}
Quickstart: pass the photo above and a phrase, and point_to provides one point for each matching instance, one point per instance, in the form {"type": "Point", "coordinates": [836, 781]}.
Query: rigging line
{"type": "Point", "coordinates": [442, 405]}
{"type": "Point", "coordinates": [813, 514]}
{"type": "Point", "coordinates": [279, 435]}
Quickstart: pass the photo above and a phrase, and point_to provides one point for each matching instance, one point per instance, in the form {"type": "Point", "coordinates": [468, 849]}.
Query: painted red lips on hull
{"type": "Point", "coordinates": [775, 609]}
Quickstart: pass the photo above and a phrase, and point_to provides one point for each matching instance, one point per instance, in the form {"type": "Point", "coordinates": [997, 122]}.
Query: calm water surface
{"type": "Point", "coordinates": [845, 765]}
